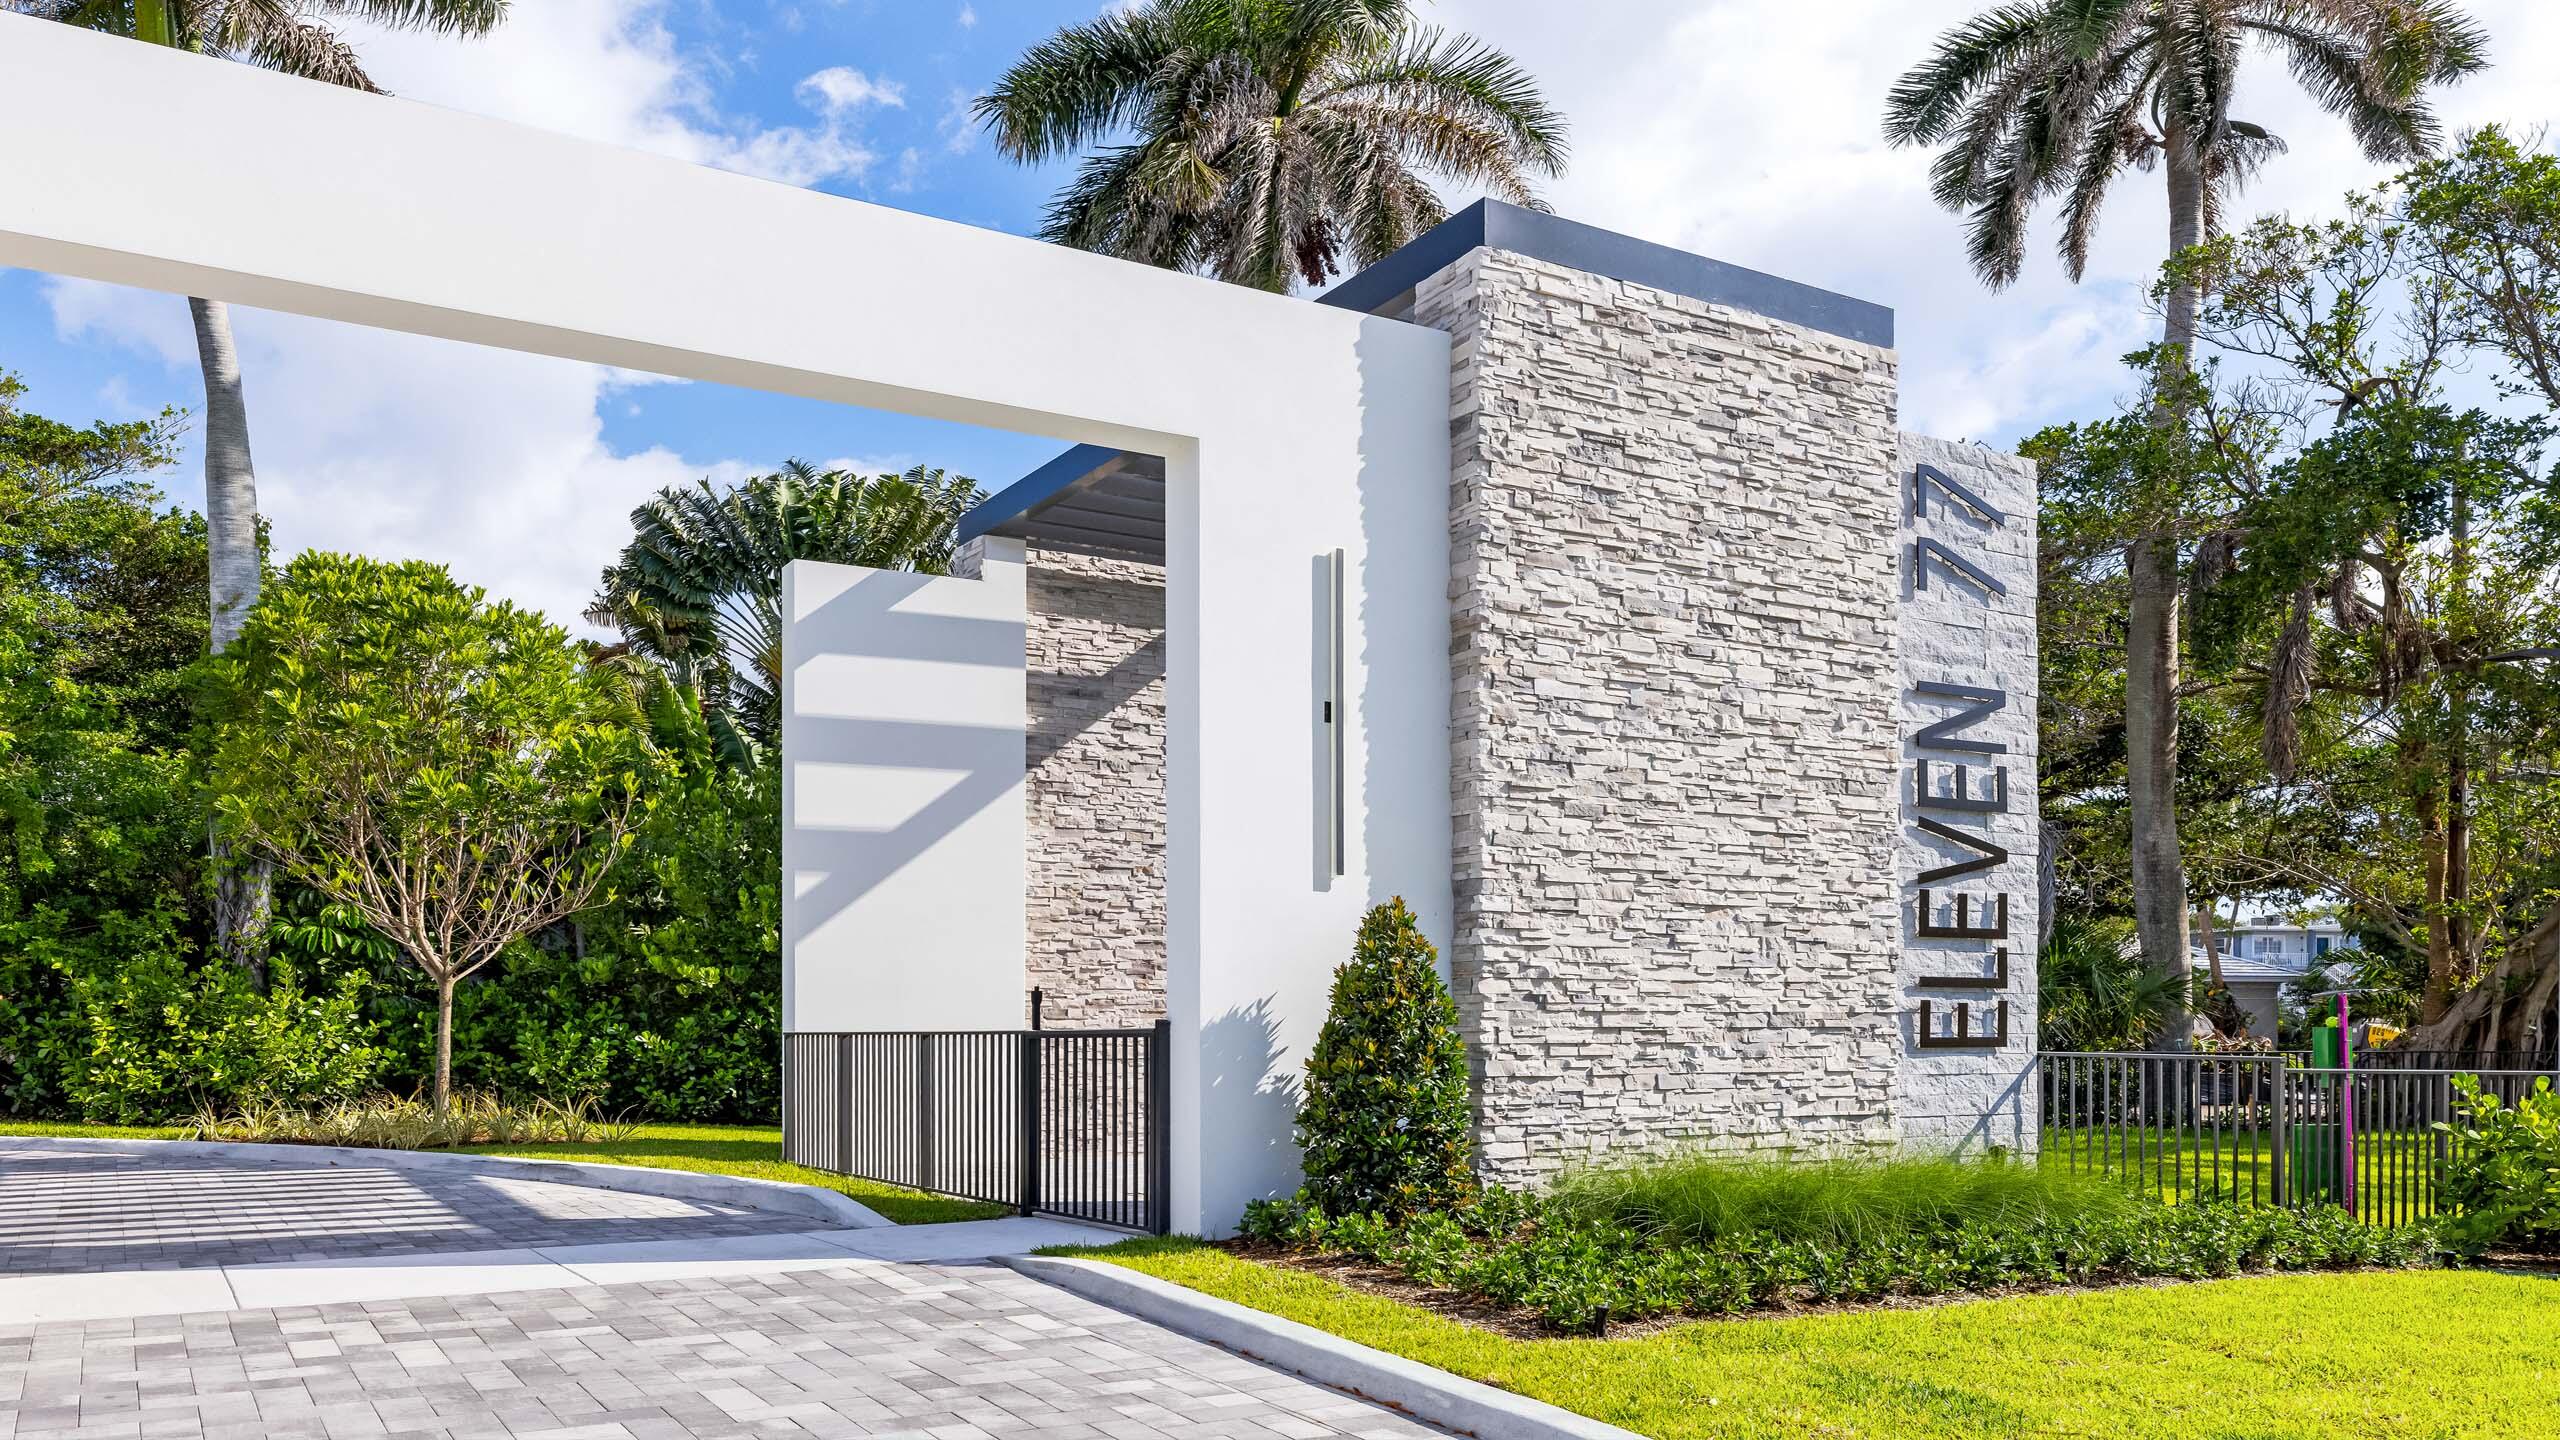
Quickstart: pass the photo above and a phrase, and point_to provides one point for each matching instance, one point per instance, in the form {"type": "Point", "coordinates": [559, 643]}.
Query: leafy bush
{"type": "Point", "coordinates": [390, 1122]}
{"type": "Point", "coordinates": [2503, 1172]}
{"type": "Point", "coordinates": [156, 1036]}
{"type": "Point", "coordinates": [1385, 1122]}
{"type": "Point", "coordinates": [1581, 1273]}
{"type": "Point", "coordinates": [1699, 1199]}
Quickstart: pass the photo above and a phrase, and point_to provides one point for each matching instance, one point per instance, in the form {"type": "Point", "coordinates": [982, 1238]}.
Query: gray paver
{"type": "Point", "coordinates": [948, 1351]}
{"type": "Point", "coordinates": [68, 1214]}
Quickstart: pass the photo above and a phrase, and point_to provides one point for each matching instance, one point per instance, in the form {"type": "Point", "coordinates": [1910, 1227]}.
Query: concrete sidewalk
{"type": "Point", "coordinates": [49, 1298]}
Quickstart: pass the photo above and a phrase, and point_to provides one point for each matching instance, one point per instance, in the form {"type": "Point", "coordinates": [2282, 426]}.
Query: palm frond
{"type": "Point", "coordinates": [449, 17]}
{"type": "Point", "coordinates": [1078, 86]}
{"type": "Point", "coordinates": [1930, 98]}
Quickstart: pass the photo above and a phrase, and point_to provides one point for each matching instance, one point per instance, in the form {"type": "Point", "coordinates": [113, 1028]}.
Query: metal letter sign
{"type": "Point", "coordinates": [1959, 921]}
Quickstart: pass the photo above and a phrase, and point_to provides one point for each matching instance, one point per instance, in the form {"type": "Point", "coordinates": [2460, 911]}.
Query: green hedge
{"type": "Point", "coordinates": [1582, 1274]}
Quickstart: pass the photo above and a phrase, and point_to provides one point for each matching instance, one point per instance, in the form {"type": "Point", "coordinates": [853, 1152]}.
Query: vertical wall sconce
{"type": "Point", "coordinates": [1333, 713]}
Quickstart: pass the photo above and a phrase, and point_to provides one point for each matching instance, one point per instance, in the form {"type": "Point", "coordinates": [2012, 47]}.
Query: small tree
{"type": "Point", "coordinates": [452, 771]}
{"type": "Point", "coordinates": [1385, 1124]}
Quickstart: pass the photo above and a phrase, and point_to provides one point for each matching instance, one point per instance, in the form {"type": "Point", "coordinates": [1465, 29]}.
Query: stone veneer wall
{"type": "Point", "coordinates": [1094, 789]}
{"type": "Point", "coordinates": [1956, 633]}
{"type": "Point", "coordinates": [1673, 720]}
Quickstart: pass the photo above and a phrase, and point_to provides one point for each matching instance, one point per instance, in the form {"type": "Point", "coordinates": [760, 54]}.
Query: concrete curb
{"type": "Point", "coordinates": [779, 1197]}
{"type": "Point", "coordinates": [1437, 1396]}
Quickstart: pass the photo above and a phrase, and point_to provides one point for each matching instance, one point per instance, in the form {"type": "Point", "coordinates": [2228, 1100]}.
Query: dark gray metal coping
{"type": "Point", "coordinates": [1576, 246]}
{"type": "Point", "coordinates": [1072, 503]}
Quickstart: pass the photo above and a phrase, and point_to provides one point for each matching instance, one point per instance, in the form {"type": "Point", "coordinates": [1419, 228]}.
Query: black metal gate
{"type": "Point", "coordinates": [1054, 1122]}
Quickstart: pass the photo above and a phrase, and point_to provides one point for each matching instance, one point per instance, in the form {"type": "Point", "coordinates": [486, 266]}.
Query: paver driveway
{"type": "Point", "coordinates": [949, 1351]}
{"type": "Point", "coordinates": [64, 1213]}
{"type": "Point", "coordinates": [953, 1351]}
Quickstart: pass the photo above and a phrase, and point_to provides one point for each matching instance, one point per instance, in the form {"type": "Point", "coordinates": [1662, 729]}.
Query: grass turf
{"type": "Point", "coordinates": [749, 1150]}
{"type": "Point", "coordinates": [2407, 1354]}
{"type": "Point", "coordinates": [2395, 1168]}
{"type": "Point", "coordinates": [755, 1151]}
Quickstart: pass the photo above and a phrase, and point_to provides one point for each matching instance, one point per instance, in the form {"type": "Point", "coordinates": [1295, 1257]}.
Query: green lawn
{"type": "Point", "coordinates": [65, 1129]}
{"type": "Point", "coordinates": [2403, 1354]}
{"type": "Point", "coordinates": [751, 1150]}
{"type": "Point", "coordinates": [2395, 1168]}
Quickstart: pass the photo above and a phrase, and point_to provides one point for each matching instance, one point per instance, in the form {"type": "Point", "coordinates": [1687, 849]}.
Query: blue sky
{"type": "Point", "coordinates": [1733, 128]}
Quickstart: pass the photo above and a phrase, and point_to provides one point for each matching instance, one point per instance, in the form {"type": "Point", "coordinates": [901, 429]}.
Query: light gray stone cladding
{"type": "Point", "coordinates": [1094, 789]}
{"type": "Point", "coordinates": [1960, 634]}
{"type": "Point", "coordinates": [1674, 720]}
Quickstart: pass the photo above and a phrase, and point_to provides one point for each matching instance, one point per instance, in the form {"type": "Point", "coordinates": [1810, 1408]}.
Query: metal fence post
{"type": "Point", "coordinates": [1030, 1109]}
{"type": "Point", "coordinates": [924, 1110]}
{"type": "Point", "coordinates": [1160, 1128]}
{"type": "Point", "coordinates": [2283, 1118]}
{"type": "Point", "coordinates": [844, 1103]}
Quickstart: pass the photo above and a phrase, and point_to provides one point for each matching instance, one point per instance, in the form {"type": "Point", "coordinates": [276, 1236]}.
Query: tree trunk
{"type": "Point", "coordinates": [2151, 654]}
{"type": "Point", "coordinates": [153, 24]}
{"type": "Point", "coordinates": [243, 893]}
{"type": "Point", "coordinates": [2440, 973]}
{"type": "Point", "coordinates": [444, 1047]}
{"type": "Point", "coordinates": [230, 481]}
{"type": "Point", "coordinates": [2212, 945]}
{"type": "Point", "coordinates": [2151, 764]}
{"type": "Point", "coordinates": [2455, 920]}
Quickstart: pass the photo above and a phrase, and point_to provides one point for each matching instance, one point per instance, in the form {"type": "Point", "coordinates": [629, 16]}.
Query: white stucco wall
{"type": "Point", "coordinates": [902, 797]}
{"type": "Point", "coordinates": [1288, 429]}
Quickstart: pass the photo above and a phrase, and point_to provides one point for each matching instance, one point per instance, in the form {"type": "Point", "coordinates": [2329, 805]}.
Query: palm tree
{"type": "Point", "coordinates": [297, 37]}
{"type": "Point", "coordinates": [1268, 140]}
{"type": "Point", "coordinates": [2044, 98]}
{"type": "Point", "coordinates": [698, 590]}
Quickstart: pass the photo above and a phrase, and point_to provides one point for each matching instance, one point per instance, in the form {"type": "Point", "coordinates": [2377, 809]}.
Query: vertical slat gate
{"type": "Point", "coordinates": [1057, 1122]}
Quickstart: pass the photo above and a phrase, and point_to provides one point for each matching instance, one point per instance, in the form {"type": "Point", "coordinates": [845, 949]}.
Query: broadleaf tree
{"type": "Point", "coordinates": [452, 771]}
{"type": "Point", "coordinates": [295, 37]}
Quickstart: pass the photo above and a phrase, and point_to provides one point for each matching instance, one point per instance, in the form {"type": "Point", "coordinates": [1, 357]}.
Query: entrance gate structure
{"type": "Point", "coordinates": [1579, 591]}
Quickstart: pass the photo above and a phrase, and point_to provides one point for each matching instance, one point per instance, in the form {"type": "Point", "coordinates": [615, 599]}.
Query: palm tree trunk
{"type": "Point", "coordinates": [2151, 658]}
{"type": "Point", "coordinates": [243, 892]}
{"type": "Point", "coordinates": [153, 24]}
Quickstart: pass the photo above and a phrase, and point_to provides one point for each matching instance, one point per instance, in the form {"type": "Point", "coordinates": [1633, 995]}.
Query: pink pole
{"type": "Point", "coordinates": [2346, 1105]}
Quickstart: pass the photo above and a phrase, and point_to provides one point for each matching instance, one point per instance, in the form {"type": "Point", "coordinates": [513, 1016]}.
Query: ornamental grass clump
{"type": "Point", "coordinates": [1384, 1124]}
{"type": "Point", "coordinates": [1699, 1199]}
{"type": "Point", "coordinates": [393, 1122]}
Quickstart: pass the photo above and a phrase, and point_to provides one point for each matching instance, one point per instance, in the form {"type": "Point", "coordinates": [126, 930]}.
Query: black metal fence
{"type": "Point", "coordinates": [2261, 1128]}
{"type": "Point", "coordinates": [1052, 1122]}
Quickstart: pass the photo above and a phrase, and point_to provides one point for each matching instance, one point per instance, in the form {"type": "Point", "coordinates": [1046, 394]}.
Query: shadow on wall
{"type": "Point", "coordinates": [1077, 702]}
{"type": "Point", "coordinates": [892, 753]}
{"type": "Point", "coordinates": [1240, 1061]}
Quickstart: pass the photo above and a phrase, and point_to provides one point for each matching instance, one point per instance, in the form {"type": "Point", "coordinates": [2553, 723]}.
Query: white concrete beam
{"type": "Point", "coordinates": [1289, 429]}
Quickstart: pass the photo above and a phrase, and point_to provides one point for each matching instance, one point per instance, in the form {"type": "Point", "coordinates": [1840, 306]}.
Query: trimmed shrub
{"type": "Point", "coordinates": [1384, 1126]}
{"type": "Point", "coordinates": [2503, 1172]}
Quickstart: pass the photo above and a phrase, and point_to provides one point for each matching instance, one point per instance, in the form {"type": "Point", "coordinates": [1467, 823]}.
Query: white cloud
{"type": "Point", "coordinates": [841, 90]}
{"type": "Point", "coordinates": [968, 17]}
{"type": "Point", "coordinates": [1744, 131]}
{"type": "Point", "coordinates": [609, 70]}
{"type": "Point", "coordinates": [490, 462]}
